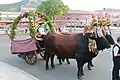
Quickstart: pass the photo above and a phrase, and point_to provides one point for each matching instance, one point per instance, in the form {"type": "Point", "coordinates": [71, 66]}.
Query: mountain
{"type": "Point", "coordinates": [35, 3]}
{"type": "Point", "coordinates": [25, 2]}
{"type": "Point", "coordinates": [16, 6]}
{"type": "Point", "coordinates": [11, 7]}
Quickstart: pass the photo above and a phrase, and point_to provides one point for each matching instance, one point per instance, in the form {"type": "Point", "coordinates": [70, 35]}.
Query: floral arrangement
{"type": "Point", "coordinates": [100, 22]}
{"type": "Point", "coordinates": [13, 26]}
{"type": "Point", "coordinates": [94, 21]}
{"type": "Point", "coordinates": [32, 22]}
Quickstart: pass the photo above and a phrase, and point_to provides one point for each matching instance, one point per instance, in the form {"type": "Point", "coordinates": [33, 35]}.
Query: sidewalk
{"type": "Point", "coordinates": [8, 72]}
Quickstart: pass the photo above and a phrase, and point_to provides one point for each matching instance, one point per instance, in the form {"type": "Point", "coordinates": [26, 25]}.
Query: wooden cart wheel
{"type": "Point", "coordinates": [31, 58]}
{"type": "Point", "coordinates": [42, 54]}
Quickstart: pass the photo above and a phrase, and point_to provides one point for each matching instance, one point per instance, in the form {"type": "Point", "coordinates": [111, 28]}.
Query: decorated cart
{"type": "Point", "coordinates": [29, 48]}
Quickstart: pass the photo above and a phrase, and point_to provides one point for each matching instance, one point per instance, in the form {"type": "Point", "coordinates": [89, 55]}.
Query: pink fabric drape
{"type": "Point", "coordinates": [19, 46]}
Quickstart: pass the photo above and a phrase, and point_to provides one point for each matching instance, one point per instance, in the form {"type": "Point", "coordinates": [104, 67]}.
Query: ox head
{"type": "Point", "coordinates": [101, 42]}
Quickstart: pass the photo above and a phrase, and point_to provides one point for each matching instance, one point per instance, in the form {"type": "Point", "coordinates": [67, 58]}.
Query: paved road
{"type": "Point", "coordinates": [101, 71]}
{"type": "Point", "coordinates": [8, 72]}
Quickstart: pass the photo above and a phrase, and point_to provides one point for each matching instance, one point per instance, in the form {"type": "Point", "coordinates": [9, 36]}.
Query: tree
{"type": "Point", "coordinates": [53, 8]}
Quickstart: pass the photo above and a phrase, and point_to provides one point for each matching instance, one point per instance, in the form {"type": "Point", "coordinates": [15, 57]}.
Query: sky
{"type": "Point", "coordinates": [88, 5]}
{"type": "Point", "coordinates": [91, 5]}
{"type": "Point", "coordinates": [8, 1]}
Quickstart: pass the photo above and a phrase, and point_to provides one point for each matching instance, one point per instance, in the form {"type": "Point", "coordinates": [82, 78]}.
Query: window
{"type": "Point", "coordinates": [68, 18]}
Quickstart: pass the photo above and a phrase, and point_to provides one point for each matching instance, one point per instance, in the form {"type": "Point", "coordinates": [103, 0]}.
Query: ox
{"type": "Point", "coordinates": [73, 46]}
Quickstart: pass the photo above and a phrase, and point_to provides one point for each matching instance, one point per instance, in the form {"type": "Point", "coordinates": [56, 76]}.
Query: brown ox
{"type": "Point", "coordinates": [70, 46]}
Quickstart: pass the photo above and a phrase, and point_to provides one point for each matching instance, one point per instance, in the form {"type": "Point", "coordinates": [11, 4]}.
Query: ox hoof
{"type": "Point", "coordinates": [60, 63]}
{"type": "Point", "coordinates": [92, 65]}
{"type": "Point", "coordinates": [89, 68]}
{"type": "Point", "coordinates": [47, 68]}
{"type": "Point", "coordinates": [79, 77]}
{"type": "Point", "coordinates": [68, 62]}
{"type": "Point", "coordinates": [82, 74]}
{"type": "Point", "coordinates": [52, 66]}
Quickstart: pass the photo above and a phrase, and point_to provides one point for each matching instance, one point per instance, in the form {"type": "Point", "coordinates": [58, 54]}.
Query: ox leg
{"type": "Point", "coordinates": [67, 60]}
{"type": "Point", "coordinates": [89, 65]}
{"type": "Point", "coordinates": [81, 69]}
{"type": "Point", "coordinates": [80, 72]}
{"type": "Point", "coordinates": [52, 61]}
{"type": "Point", "coordinates": [47, 61]}
{"type": "Point", "coordinates": [63, 59]}
{"type": "Point", "coordinates": [60, 60]}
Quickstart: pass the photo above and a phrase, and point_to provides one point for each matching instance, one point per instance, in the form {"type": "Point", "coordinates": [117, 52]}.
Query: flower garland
{"type": "Point", "coordinates": [100, 22]}
{"type": "Point", "coordinates": [32, 20]}
{"type": "Point", "coordinates": [13, 26]}
{"type": "Point", "coordinates": [94, 22]}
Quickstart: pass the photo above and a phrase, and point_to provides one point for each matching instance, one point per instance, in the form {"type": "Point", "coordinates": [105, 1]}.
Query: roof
{"type": "Point", "coordinates": [79, 12]}
{"type": "Point", "coordinates": [108, 10]}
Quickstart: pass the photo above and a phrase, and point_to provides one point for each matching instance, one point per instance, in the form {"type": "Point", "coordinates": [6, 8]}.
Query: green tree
{"type": "Point", "coordinates": [53, 9]}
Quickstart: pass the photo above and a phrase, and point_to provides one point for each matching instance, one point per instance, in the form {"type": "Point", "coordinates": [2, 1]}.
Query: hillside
{"type": "Point", "coordinates": [11, 7]}
{"type": "Point", "coordinates": [16, 6]}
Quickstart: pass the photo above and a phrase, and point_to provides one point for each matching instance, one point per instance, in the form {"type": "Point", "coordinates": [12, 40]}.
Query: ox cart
{"type": "Point", "coordinates": [27, 50]}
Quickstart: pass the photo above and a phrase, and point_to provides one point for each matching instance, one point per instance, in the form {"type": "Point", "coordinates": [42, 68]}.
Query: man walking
{"type": "Point", "coordinates": [116, 60]}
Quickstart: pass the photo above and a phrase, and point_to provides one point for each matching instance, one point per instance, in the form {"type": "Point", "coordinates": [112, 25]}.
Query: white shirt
{"type": "Point", "coordinates": [41, 31]}
{"type": "Point", "coordinates": [116, 49]}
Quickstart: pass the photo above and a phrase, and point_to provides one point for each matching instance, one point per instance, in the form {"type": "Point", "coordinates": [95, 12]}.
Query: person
{"type": "Point", "coordinates": [108, 35]}
{"type": "Point", "coordinates": [40, 35]}
{"type": "Point", "coordinates": [116, 60]}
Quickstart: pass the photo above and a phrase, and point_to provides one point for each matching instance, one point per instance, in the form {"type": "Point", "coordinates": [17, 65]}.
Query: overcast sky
{"type": "Point", "coordinates": [82, 4]}
{"type": "Point", "coordinates": [8, 1]}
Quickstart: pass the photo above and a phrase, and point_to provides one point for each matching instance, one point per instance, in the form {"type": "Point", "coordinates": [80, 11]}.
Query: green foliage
{"type": "Point", "coordinates": [53, 8]}
{"type": "Point", "coordinates": [32, 24]}
{"type": "Point", "coordinates": [11, 7]}
{"type": "Point", "coordinates": [47, 20]}
{"type": "Point", "coordinates": [13, 26]}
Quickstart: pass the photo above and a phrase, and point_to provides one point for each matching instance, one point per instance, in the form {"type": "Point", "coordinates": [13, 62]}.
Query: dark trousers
{"type": "Point", "coordinates": [116, 67]}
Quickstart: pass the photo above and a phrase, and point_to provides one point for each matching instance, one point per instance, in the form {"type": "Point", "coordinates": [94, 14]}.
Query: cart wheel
{"type": "Point", "coordinates": [42, 54]}
{"type": "Point", "coordinates": [31, 58]}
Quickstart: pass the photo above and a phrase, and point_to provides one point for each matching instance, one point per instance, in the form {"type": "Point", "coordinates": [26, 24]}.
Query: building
{"type": "Point", "coordinates": [8, 16]}
{"type": "Point", "coordinates": [26, 9]}
{"type": "Point", "coordinates": [75, 18]}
